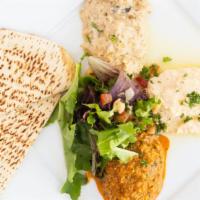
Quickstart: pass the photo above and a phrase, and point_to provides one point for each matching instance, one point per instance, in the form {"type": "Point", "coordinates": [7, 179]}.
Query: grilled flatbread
{"type": "Point", "coordinates": [33, 74]}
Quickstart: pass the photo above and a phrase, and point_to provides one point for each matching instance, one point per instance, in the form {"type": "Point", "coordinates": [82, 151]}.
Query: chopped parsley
{"type": "Point", "coordinates": [160, 126]}
{"type": "Point", "coordinates": [182, 115]}
{"type": "Point", "coordinates": [144, 163]}
{"type": "Point", "coordinates": [143, 108]}
{"type": "Point", "coordinates": [145, 73]}
{"type": "Point", "coordinates": [145, 117]}
{"type": "Point", "coordinates": [193, 98]}
{"type": "Point", "coordinates": [167, 59]}
{"type": "Point", "coordinates": [185, 75]}
{"type": "Point", "coordinates": [130, 76]}
{"type": "Point", "coordinates": [148, 72]}
{"type": "Point", "coordinates": [94, 25]}
{"type": "Point", "coordinates": [113, 38]}
{"type": "Point", "coordinates": [187, 119]}
{"type": "Point", "coordinates": [88, 38]}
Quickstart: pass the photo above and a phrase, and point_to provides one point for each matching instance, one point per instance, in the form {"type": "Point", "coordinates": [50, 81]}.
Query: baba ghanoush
{"type": "Point", "coordinates": [114, 31]}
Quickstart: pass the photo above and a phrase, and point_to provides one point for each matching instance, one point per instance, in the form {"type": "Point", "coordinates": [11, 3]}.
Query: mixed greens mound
{"type": "Point", "coordinates": [100, 116]}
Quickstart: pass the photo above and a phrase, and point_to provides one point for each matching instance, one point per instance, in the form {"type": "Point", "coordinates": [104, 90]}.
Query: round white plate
{"type": "Point", "coordinates": [173, 32]}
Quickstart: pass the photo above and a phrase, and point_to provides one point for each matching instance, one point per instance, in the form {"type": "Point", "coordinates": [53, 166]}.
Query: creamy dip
{"type": "Point", "coordinates": [172, 87]}
{"type": "Point", "coordinates": [114, 30]}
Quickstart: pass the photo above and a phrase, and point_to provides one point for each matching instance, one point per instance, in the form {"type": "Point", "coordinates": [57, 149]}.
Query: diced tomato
{"type": "Point", "coordinates": [105, 99]}
{"type": "Point", "coordinates": [123, 117]}
{"type": "Point", "coordinates": [141, 81]}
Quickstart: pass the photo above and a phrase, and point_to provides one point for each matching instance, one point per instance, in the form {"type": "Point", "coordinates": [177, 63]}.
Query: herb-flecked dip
{"type": "Point", "coordinates": [115, 31]}
{"type": "Point", "coordinates": [179, 92]}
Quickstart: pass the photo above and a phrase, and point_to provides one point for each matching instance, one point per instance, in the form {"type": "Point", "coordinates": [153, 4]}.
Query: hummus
{"type": "Point", "coordinates": [172, 87]}
{"type": "Point", "coordinates": [114, 30]}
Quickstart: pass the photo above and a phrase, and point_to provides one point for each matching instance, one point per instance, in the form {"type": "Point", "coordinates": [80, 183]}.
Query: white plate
{"type": "Point", "coordinates": [172, 33]}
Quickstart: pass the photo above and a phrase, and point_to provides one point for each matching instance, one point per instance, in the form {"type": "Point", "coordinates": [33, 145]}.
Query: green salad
{"type": "Point", "coordinates": [100, 116]}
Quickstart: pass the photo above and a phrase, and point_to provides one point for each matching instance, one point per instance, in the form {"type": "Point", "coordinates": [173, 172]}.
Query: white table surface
{"type": "Point", "coordinates": [173, 32]}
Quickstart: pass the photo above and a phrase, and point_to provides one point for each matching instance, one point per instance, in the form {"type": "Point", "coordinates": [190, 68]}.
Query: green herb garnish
{"type": "Point", "coordinates": [113, 38]}
{"type": "Point", "coordinates": [187, 119]}
{"type": "Point", "coordinates": [145, 117]}
{"type": "Point", "coordinates": [88, 38]}
{"type": "Point", "coordinates": [144, 163]}
{"type": "Point", "coordinates": [94, 25]}
{"type": "Point", "coordinates": [193, 98]}
{"type": "Point", "coordinates": [149, 72]}
{"type": "Point", "coordinates": [145, 73]}
{"type": "Point", "coordinates": [143, 108]}
{"type": "Point", "coordinates": [160, 126]}
{"type": "Point", "coordinates": [185, 75]}
{"type": "Point", "coordinates": [167, 59]}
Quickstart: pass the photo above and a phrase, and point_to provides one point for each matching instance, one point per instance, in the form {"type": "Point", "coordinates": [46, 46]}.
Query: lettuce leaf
{"type": "Point", "coordinates": [74, 188]}
{"type": "Point", "coordinates": [103, 115]}
{"type": "Point", "coordinates": [65, 120]}
{"type": "Point", "coordinates": [111, 142]}
{"type": "Point", "coordinates": [65, 115]}
{"type": "Point", "coordinates": [82, 147]}
{"type": "Point", "coordinates": [54, 116]}
{"type": "Point", "coordinates": [124, 155]}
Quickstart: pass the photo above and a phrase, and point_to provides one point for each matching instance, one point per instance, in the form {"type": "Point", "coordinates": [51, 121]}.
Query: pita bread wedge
{"type": "Point", "coordinates": [33, 74]}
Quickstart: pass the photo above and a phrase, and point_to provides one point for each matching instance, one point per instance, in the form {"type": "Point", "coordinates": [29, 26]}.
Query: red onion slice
{"type": "Point", "coordinates": [102, 70]}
